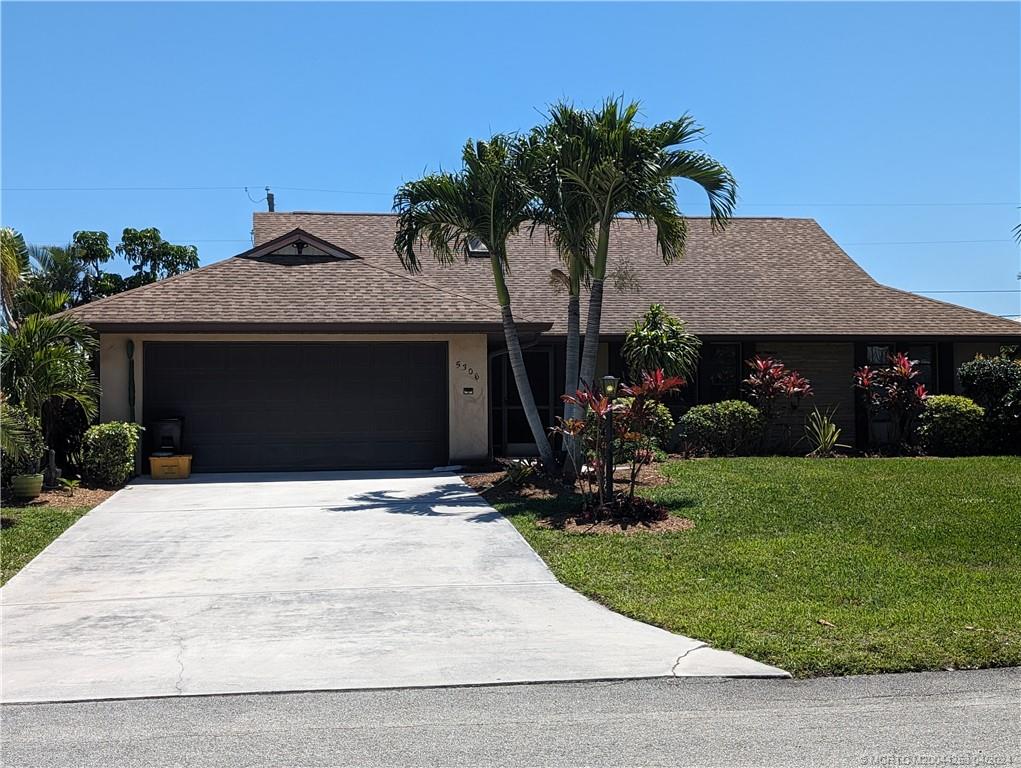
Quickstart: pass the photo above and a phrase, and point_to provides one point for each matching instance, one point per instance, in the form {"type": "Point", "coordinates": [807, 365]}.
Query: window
{"type": "Point", "coordinates": [878, 355]}
{"type": "Point", "coordinates": [719, 373]}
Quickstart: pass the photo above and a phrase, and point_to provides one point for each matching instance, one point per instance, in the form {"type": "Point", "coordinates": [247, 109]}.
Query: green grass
{"type": "Point", "coordinates": [915, 562]}
{"type": "Point", "coordinates": [32, 530]}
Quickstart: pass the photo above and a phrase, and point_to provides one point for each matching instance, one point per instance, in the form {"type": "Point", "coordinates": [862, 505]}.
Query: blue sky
{"type": "Point", "coordinates": [879, 120]}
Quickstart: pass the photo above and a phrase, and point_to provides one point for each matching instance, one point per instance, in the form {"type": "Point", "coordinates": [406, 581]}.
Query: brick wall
{"type": "Point", "coordinates": [828, 366]}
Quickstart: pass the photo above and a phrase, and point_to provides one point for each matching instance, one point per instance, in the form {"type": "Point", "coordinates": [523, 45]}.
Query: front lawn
{"type": "Point", "coordinates": [27, 531]}
{"type": "Point", "coordinates": [838, 566]}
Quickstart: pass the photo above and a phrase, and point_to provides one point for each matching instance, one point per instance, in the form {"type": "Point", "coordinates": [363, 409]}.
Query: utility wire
{"type": "Point", "coordinates": [241, 187]}
{"type": "Point", "coordinates": [981, 290]}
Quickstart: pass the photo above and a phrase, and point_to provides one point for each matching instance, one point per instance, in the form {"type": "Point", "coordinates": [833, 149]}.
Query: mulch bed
{"type": "Point", "coordinates": [496, 487]}
{"type": "Point", "coordinates": [83, 497]}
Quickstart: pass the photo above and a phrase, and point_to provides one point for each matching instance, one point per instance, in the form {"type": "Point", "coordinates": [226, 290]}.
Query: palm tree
{"type": "Point", "coordinates": [44, 363]}
{"type": "Point", "coordinates": [486, 201]}
{"type": "Point", "coordinates": [625, 169]}
{"type": "Point", "coordinates": [569, 219]}
{"type": "Point", "coordinates": [13, 269]}
{"type": "Point", "coordinates": [58, 270]}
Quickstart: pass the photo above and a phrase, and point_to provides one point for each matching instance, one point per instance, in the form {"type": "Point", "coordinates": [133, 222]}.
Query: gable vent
{"type": "Point", "coordinates": [477, 249]}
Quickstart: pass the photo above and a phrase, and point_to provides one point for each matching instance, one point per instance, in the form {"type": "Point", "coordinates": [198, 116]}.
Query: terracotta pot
{"type": "Point", "coordinates": [27, 486]}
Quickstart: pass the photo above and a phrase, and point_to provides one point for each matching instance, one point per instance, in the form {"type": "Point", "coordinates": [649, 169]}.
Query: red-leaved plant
{"type": "Point", "coordinates": [774, 388]}
{"type": "Point", "coordinates": [633, 423]}
{"type": "Point", "coordinates": [893, 390]}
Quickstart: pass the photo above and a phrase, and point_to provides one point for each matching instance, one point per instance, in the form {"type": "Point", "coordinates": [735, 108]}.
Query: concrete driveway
{"type": "Point", "coordinates": [312, 581]}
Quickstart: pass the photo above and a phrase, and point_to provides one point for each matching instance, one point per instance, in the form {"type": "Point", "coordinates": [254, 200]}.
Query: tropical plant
{"type": "Point", "coordinates": [660, 341]}
{"type": "Point", "coordinates": [951, 425]}
{"type": "Point", "coordinates": [45, 362]}
{"type": "Point", "coordinates": [32, 300]}
{"type": "Point", "coordinates": [14, 257]}
{"type": "Point", "coordinates": [487, 201]}
{"type": "Point", "coordinates": [727, 428]}
{"type": "Point", "coordinates": [893, 390]}
{"type": "Point", "coordinates": [568, 220]}
{"type": "Point", "coordinates": [590, 435]}
{"type": "Point", "coordinates": [21, 442]}
{"type": "Point", "coordinates": [772, 386]}
{"type": "Point", "coordinates": [640, 422]}
{"type": "Point", "coordinates": [823, 434]}
{"type": "Point", "coordinates": [995, 384]}
{"type": "Point", "coordinates": [626, 169]}
{"type": "Point", "coordinates": [110, 453]}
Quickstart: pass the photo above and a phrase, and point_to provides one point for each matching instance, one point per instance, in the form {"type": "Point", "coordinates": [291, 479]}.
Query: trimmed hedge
{"type": "Point", "coordinates": [728, 428]}
{"type": "Point", "coordinates": [951, 425]}
{"type": "Point", "coordinates": [109, 453]}
{"type": "Point", "coordinates": [34, 444]}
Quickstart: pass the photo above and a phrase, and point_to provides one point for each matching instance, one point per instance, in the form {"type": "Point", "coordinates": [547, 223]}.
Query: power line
{"type": "Point", "coordinates": [240, 187]}
{"type": "Point", "coordinates": [926, 242]}
{"type": "Point", "coordinates": [981, 290]}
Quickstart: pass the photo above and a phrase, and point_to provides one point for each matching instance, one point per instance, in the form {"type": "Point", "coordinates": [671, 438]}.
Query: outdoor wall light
{"type": "Point", "coordinates": [610, 386]}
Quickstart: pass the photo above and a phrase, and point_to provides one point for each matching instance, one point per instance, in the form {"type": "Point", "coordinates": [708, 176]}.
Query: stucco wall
{"type": "Point", "coordinates": [828, 366]}
{"type": "Point", "coordinates": [468, 412]}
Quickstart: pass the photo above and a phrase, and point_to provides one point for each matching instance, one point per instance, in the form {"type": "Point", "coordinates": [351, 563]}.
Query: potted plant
{"type": "Point", "coordinates": [22, 448]}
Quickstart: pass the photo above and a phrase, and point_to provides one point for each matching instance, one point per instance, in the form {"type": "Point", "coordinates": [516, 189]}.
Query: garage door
{"type": "Point", "coordinates": [301, 406]}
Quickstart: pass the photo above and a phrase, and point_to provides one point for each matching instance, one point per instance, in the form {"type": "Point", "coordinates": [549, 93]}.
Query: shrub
{"type": "Point", "coordinates": [109, 453]}
{"type": "Point", "coordinates": [23, 443]}
{"type": "Point", "coordinates": [634, 418]}
{"type": "Point", "coordinates": [660, 424]}
{"type": "Point", "coordinates": [893, 390]}
{"type": "Point", "coordinates": [729, 428]}
{"type": "Point", "coordinates": [660, 341]}
{"type": "Point", "coordinates": [994, 383]}
{"type": "Point", "coordinates": [951, 425]}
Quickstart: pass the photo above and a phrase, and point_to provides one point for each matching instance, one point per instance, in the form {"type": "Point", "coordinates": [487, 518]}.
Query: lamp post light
{"type": "Point", "coordinates": [610, 390]}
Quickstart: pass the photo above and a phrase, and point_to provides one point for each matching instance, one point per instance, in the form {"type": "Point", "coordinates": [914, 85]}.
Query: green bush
{"type": "Point", "coordinates": [951, 425]}
{"type": "Point", "coordinates": [729, 428]}
{"type": "Point", "coordinates": [25, 436]}
{"type": "Point", "coordinates": [995, 384]}
{"type": "Point", "coordinates": [661, 423]}
{"type": "Point", "coordinates": [109, 453]}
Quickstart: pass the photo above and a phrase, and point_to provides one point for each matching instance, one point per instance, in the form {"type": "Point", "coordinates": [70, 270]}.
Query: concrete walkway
{"type": "Point", "coordinates": [296, 582]}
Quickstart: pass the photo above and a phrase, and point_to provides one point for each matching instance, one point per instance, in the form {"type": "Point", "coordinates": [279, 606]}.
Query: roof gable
{"type": "Point", "coordinates": [298, 243]}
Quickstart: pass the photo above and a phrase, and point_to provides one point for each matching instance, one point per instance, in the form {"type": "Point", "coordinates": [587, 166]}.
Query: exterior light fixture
{"type": "Point", "coordinates": [610, 390]}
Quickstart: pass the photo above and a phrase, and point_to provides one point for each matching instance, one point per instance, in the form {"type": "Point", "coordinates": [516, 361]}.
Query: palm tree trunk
{"type": "Point", "coordinates": [571, 377]}
{"type": "Point", "coordinates": [590, 352]}
{"type": "Point", "coordinates": [517, 364]}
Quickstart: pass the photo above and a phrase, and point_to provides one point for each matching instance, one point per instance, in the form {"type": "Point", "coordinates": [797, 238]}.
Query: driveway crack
{"type": "Point", "coordinates": [179, 684]}
{"type": "Point", "coordinates": [673, 669]}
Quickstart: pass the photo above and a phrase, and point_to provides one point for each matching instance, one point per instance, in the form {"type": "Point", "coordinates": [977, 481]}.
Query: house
{"type": "Point", "coordinates": [315, 349]}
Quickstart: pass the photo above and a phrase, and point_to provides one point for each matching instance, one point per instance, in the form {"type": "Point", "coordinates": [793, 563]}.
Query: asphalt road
{"type": "Point", "coordinates": [942, 718]}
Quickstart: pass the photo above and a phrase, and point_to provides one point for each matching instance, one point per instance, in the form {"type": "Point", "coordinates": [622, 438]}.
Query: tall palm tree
{"type": "Point", "coordinates": [14, 254]}
{"type": "Point", "coordinates": [44, 362]}
{"type": "Point", "coordinates": [569, 220]}
{"type": "Point", "coordinates": [487, 201]}
{"type": "Point", "coordinates": [626, 169]}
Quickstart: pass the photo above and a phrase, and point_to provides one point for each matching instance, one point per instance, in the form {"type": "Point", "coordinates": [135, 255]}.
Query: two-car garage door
{"type": "Point", "coordinates": [257, 406]}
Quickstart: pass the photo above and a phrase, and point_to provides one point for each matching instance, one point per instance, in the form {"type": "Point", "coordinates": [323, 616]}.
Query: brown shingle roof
{"type": "Point", "coordinates": [255, 291]}
{"type": "Point", "coordinates": [760, 277]}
